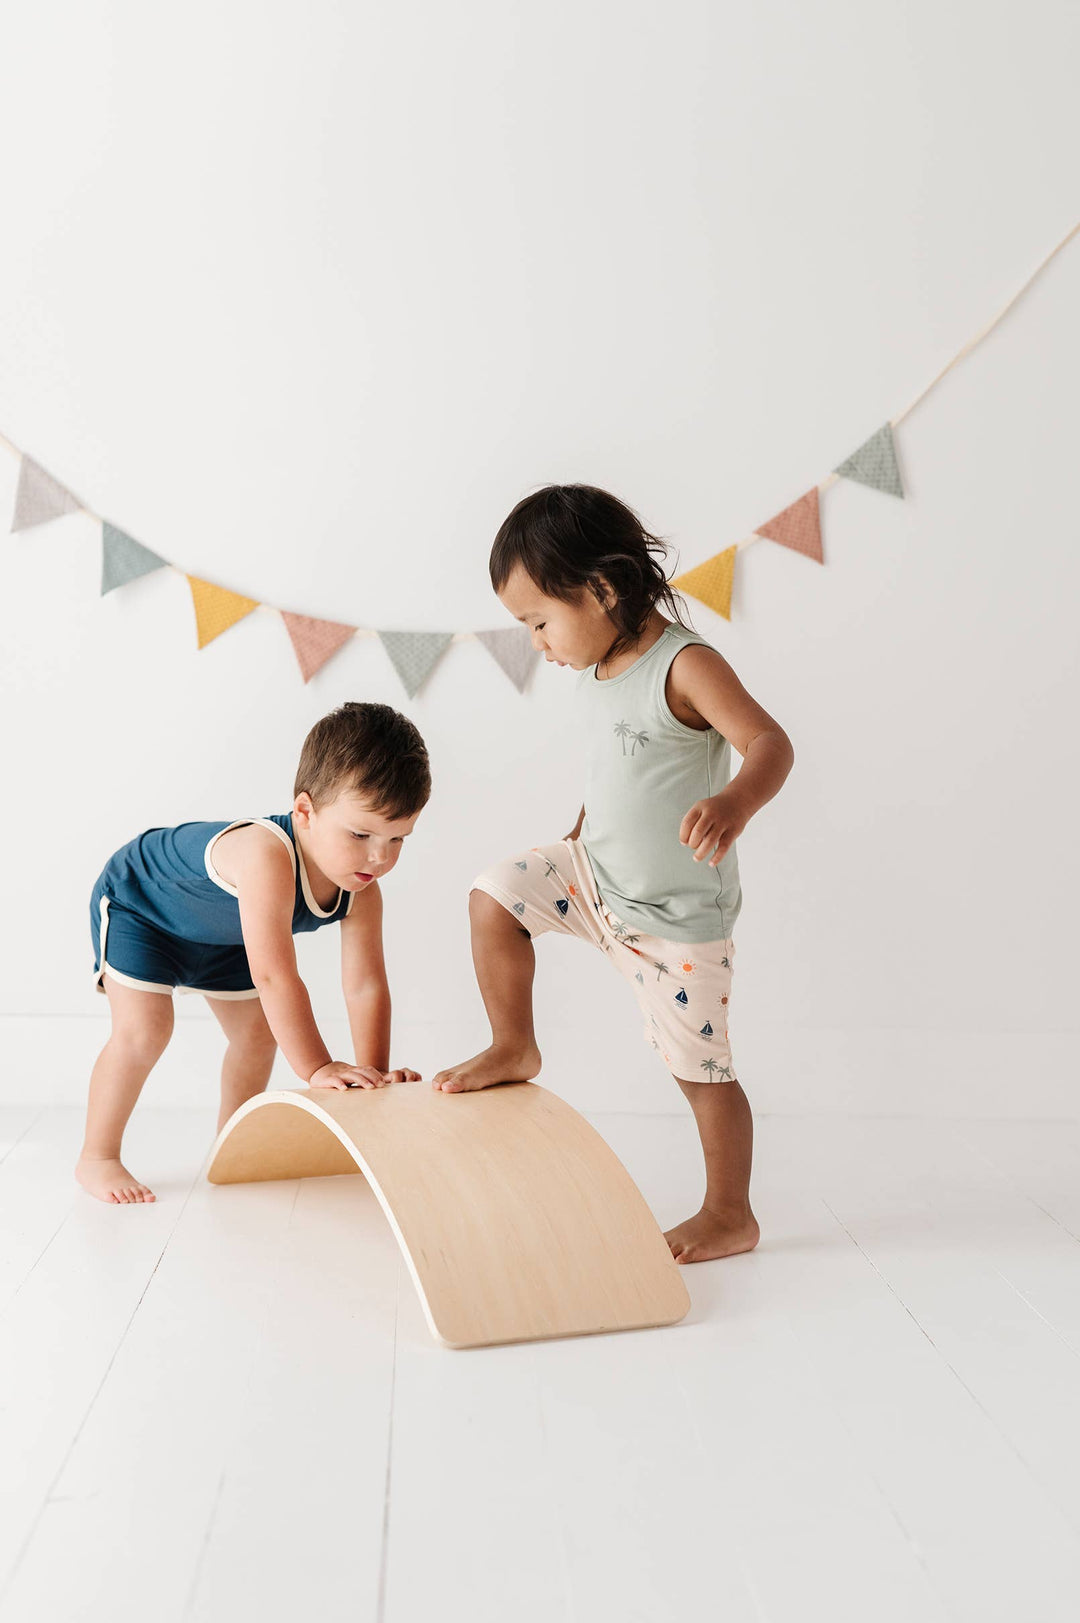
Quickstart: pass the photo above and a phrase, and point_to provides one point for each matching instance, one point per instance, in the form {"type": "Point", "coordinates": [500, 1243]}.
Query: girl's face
{"type": "Point", "coordinates": [348, 841]}
{"type": "Point", "coordinates": [577, 634]}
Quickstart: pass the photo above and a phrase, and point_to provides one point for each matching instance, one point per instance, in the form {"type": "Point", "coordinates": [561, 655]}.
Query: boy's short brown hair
{"type": "Point", "coordinates": [369, 749]}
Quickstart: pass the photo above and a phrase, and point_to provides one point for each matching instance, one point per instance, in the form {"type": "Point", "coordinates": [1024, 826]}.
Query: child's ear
{"type": "Point", "coordinates": [303, 807]}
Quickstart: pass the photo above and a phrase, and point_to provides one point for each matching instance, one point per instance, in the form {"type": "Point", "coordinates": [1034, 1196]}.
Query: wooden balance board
{"type": "Point", "coordinates": [516, 1219]}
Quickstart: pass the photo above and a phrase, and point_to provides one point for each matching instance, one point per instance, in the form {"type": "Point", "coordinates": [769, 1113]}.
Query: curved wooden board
{"type": "Point", "coordinates": [516, 1219]}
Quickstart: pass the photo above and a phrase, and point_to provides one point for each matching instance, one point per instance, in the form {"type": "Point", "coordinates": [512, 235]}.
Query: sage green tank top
{"type": "Point", "coordinates": [644, 771]}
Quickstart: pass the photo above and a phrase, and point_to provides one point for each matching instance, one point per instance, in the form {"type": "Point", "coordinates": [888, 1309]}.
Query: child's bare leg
{"type": "Point", "coordinates": [249, 1058]}
{"type": "Point", "coordinates": [725, 1224]}
{"type": "Point", "coordinates": [142, 1024]}
{"type": "Point", "coordinates": [504, 959]}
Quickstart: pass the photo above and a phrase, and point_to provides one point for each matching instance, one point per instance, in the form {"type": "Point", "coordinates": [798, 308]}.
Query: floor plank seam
{"type": "Point", "coordinates": [211, 1520]}
{"type": "Point", "coordinates": [50, 1492]}
{"type": "Point", "coordinates": [17, 1141]}
{"type": "Point", "coordinates": [384, 1553]}
{"type": "Point", "coordinates": [1006, 1439]}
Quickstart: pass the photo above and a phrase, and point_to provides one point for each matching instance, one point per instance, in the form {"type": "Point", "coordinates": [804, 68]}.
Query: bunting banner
{"type": "Point", "coordinates": [40, 498]}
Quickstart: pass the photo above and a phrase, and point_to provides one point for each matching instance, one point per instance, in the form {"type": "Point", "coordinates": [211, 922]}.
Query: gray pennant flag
{"type": "Point", "coordinates": [124, 559]}
{"type": "Point", "coordinates": [39, 497]}
{"type": "Point", "coordinates": [414, 653]}
{"type": "Point", "coordinates": [511, 648]}
{"type": "Point", "coordinates": [874, 463]}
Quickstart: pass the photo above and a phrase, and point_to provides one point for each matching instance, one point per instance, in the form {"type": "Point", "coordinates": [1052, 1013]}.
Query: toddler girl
{"type": "Point", "coordinates": [649, 874]}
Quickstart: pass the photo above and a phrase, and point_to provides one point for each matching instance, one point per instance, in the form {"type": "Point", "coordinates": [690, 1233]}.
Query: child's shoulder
{"type": "Point", "coordinates": [251, 850]}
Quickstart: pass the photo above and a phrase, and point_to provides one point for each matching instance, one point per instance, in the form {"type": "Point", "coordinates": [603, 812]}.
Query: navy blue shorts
{"type": "Point", "coordinates": [136, 953]}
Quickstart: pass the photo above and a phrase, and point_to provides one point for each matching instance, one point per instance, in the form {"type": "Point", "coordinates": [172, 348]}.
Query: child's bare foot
{"type": "Point", "coordinates": [110, 1181]}
{"type": "Point", "coordinates": [713, 1234]}
{"type": "Point", "coordinates": [493, 1065]}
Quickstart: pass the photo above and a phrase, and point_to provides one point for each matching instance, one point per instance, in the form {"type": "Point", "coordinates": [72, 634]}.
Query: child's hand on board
{"type": "Point", "coordinates": [713, 824]}
{"type": "Point", "coordinates": [340, 1075]}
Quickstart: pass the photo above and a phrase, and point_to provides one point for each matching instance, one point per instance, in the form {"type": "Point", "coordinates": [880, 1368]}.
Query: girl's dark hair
{"type": "Point", "coordinates": [370, 749]}
{"type": "Point", "coordinates": [566, 536]}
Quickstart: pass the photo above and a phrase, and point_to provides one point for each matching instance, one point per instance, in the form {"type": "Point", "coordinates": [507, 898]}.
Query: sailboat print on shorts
{"type": "Point", "coordinates": [706, 1030]}
{"type": "Point", "coordinates": [681, 997]}
{"type": "Point", "coordinates": [522, 865]}
{"type": "Point", "coordinates": [563, 905]}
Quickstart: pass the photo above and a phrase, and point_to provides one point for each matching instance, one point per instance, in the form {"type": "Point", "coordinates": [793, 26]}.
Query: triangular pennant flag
{"type": "Point", "coordinates": [39, 497]}
{"type": "Point", "coordinates": [216, 609]}
{"type": "Point", "coordinates": [123, 559]}
{"type": "Point", "coordinates": [414, 653]}
{"type": "Point", "coordinates": [711, 582]}
{"type": "Point", "coordinates": [314, 640]}
{"type": "Point", "coordinates": [875, 464]}
{"type": "Point", "coordinates": [798, 527]}
{"type": "Point", "coordinates": [511, 648]}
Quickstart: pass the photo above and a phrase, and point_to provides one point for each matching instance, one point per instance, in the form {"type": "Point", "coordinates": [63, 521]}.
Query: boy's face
{"type": "Point", "coordinates": [350, 842]}
{"type": "Point", "coordinates": [577, 634]}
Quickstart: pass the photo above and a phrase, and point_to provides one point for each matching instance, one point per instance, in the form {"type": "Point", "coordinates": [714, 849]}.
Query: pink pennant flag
{"type": "Point", "coordinates": [798, 527]}
{"type": "Point", "coordinates": [314, 640]}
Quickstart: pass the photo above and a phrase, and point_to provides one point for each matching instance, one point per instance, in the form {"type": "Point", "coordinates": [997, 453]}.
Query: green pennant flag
{"type": "Point", "coordinates": [414, 654]}
{"type": "Point", "coordinates": [874, 463]}
{"type": "Point", "coordinates": [124, 559]}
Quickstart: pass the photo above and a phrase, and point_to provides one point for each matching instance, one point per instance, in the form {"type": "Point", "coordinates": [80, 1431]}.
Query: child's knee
{"type": "Point", "coordinates": [144, 1041]}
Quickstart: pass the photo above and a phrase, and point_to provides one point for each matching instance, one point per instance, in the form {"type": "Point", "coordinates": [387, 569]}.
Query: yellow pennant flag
{"type": "Point", "coordinates": [216, 609]}
{"type": "Point", "coordinates": [711, 582]}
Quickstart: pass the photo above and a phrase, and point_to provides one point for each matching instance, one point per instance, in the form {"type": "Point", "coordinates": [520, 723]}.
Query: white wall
{"type": "Point", "coordinates": [306, 301]}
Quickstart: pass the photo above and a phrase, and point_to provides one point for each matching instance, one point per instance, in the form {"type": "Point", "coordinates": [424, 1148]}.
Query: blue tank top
{"type": "Point", "coordinates": [167, 876]}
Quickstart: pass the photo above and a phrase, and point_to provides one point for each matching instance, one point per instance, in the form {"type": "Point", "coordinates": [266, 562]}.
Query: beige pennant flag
{"type": "Point", "coordinates": [798, 527]}
{"type": "Point", "coordinates": [216, 609]}
{"type": "Point", "coordinates": [39, 497]}
{"type": "Point", "coordinates": [711, 582]}
{"type": "Point", "coordinates": [511, 648]}
{"type": "Point", "coordinates": [314, 640]}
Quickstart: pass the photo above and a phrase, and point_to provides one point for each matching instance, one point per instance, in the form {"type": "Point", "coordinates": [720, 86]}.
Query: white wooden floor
{"type": "Point", "coordinates": [227, 1405]}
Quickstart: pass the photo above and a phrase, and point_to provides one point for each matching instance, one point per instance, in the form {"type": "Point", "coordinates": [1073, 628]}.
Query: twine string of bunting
{"type": "Point", "coordinates": [40, 498]}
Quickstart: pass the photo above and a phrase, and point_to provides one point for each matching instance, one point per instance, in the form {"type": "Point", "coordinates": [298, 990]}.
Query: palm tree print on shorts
{"type": "Point", "coordinates": [712, 1065]}
{"type": "Point", "coordinates": [661, 969]}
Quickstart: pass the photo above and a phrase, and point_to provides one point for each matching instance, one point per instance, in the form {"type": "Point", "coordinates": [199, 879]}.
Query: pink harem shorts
{"type": "Point", "coordinates": [682, 988]}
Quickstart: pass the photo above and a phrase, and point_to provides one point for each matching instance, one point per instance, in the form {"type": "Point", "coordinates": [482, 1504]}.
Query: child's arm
{"type": "Point", "coordinates": [576, 830]}
{"type": "Point", "coordinates": [263, 875]}
{"type": "Point", "coordinates": [703, 680]}
{"type": "Point", "coordinates": [364, 983]}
